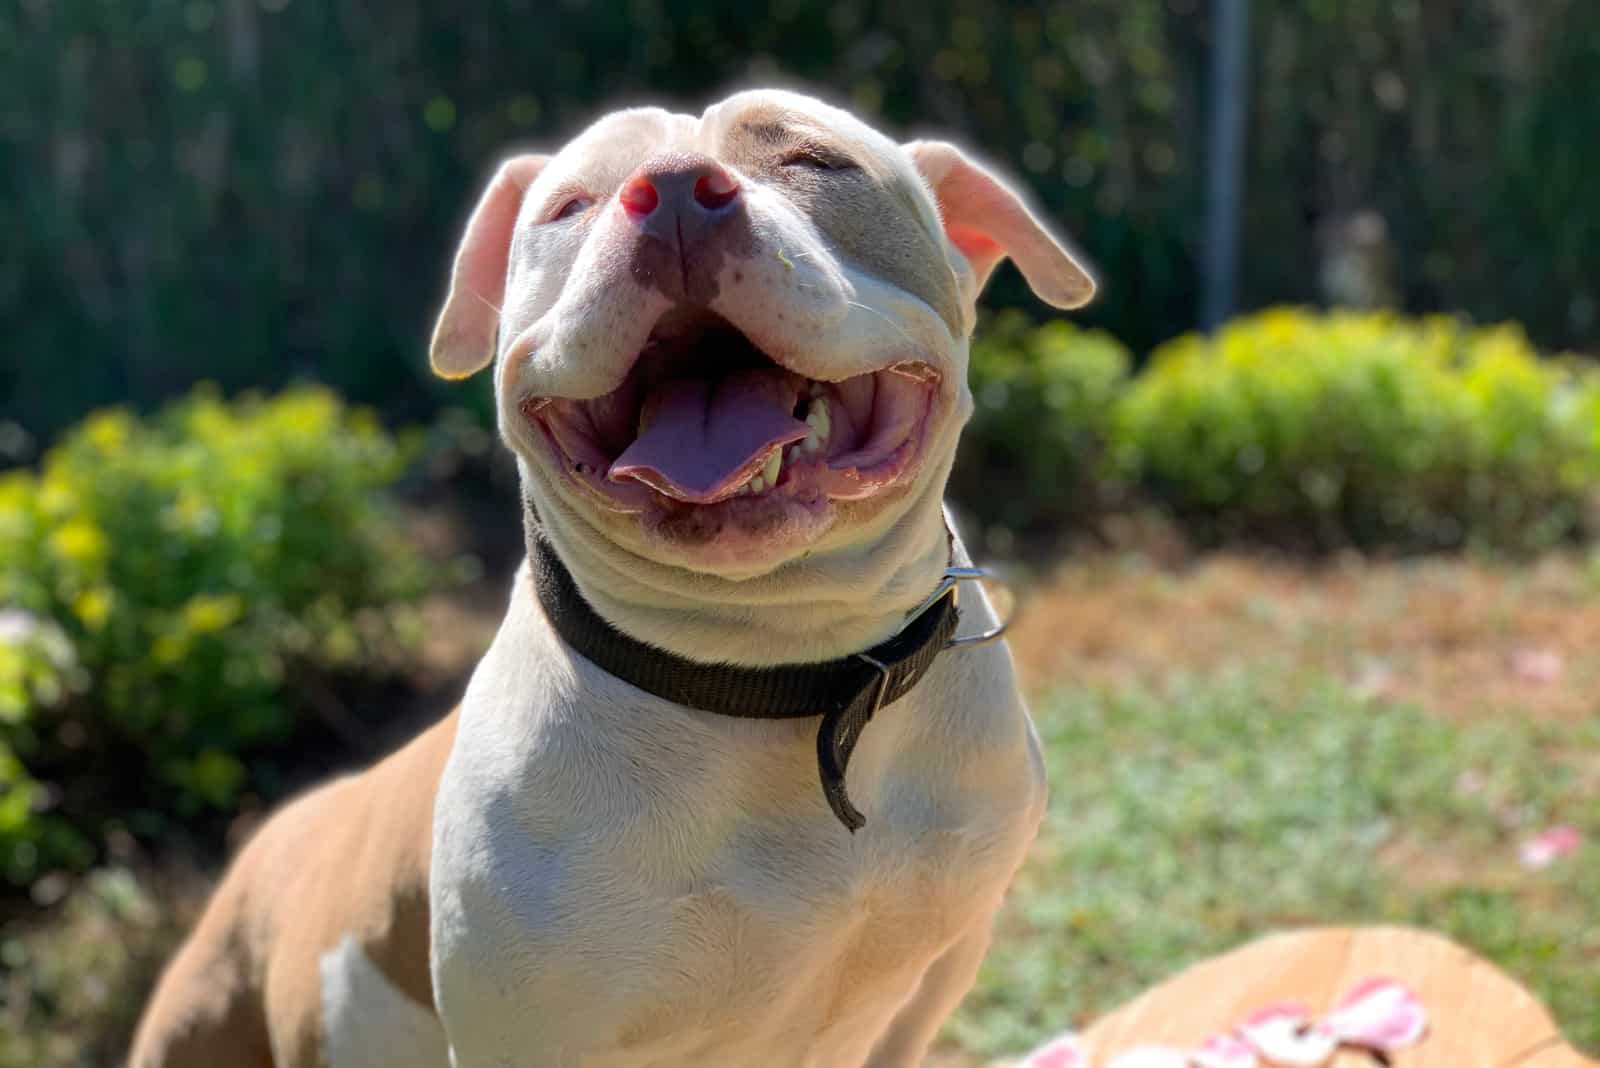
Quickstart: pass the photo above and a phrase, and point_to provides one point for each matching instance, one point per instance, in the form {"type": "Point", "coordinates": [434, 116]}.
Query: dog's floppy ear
{"type": "Point", "coordinates": [986, 220]}
{"type": "Point", "coordinates": [464, 337]}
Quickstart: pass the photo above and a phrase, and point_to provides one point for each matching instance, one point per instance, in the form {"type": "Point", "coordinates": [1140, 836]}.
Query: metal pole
{"type": "Point", "coordinates": [1225, 181]}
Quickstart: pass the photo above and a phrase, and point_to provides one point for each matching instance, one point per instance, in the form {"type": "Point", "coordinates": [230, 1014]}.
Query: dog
{"type": "Point", "coordinates": [720, 791]}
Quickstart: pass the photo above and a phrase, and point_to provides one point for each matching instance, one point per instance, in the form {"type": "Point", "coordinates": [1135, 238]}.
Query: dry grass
{"type": "Point", "coordinates": [1461, 638]}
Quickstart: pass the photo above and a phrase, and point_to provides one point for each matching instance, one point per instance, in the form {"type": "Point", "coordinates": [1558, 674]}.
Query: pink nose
{"type": "Point", "coordinates": [679, 188]}
{"type": "Point", "coordinates": [687, 216]}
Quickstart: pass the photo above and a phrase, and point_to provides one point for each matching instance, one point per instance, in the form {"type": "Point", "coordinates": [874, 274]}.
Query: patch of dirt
{"type": "Point", "coordinates": [1429, 863]}
{"type": "Point", "coordinates": [1456, 636]}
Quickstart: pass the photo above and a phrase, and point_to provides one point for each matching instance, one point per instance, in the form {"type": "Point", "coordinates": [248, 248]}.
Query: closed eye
{"type": "Point", "coordinates": [572, 206]}
{"type": "Point", "coordinates": [821, 159]}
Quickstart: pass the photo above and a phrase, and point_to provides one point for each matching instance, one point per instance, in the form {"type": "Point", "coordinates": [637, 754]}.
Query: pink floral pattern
{"type": "Point", "coordinates": [1378, 1015]}
{"type": "Point", "coordinates": [1224, 1051]}
{"type": "Point", "coordinates": [1286, 1036]}
{"type": "Point", "coordinates": [1063, 1052]}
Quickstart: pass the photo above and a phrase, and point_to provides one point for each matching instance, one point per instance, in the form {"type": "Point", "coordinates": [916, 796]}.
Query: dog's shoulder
{"type": "Point", "coordinates": [347, 860]}
{"type": "Point", "coordinates": [347, 867]}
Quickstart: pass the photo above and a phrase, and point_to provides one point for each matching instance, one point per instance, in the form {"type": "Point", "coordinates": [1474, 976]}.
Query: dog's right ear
{"type": "Point", "coordinates": [987, 220]}
{"type": "Point", "coordinates": [464, 337]}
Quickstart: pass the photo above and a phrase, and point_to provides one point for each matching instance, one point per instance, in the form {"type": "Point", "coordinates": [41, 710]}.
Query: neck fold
{"type": "Point", "coordinates": [827, 605]}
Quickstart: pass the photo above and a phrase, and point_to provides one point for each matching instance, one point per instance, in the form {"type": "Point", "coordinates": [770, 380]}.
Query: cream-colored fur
{"type": "Point", "coordinates": [615, 880]}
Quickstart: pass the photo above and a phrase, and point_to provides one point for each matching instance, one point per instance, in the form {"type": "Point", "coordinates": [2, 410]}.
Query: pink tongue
{"type": "Point", "coordinates": [706, 439]}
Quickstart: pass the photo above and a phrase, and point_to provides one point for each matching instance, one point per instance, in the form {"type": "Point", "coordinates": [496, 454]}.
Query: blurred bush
{"type": "Point", "coordinates": [173, 592]}
{"type": "Point", "coordinates": [1034, 455]}
{"type": "Point", "coordinates": [74, 987]}
{"type": "Point", "coordinates": [1365, 430]}
{"type": "Point", "coordinates": [249, 191]}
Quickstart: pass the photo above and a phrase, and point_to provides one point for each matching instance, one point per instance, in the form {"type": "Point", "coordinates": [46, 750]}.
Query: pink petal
{"type": "Point", "coordinates": [1065, 1051]}
{"type": "Point", "coordinates": [1151, 1057]}
{"type": "Point", "coordinates": [1279, 1010]}
{"type": "Point", "coordinates": [1373, 681]}
{"type": "Point", "coordinates": [1549, 846]}
{"type": "Point", "coordinates": [1284, 1036]}
{"type": "Point", "coordinates": [1223, 1051]}
{"type": "Point", "coordinates": [1537, 665]}
{"type": "Point", "coordinates": [1379, 1014]}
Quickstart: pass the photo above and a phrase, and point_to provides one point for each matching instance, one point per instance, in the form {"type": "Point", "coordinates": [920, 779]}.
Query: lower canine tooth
{"type": "Point", "coordinates": [818, 417]}
{"type": "Point", "coordinates": [755, 485]}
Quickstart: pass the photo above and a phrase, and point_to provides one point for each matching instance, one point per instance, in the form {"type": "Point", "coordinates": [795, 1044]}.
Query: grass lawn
{"type": "Point", "coordinates": [1234, 745]}
{"type": "Point", "coordinates": [1188, 819]}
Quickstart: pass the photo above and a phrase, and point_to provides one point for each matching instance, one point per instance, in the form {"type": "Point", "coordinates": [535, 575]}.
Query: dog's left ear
{"type": "Point", "coordinates": [986, 220]}
{"type": "Point", "coordinates": [464, 337]}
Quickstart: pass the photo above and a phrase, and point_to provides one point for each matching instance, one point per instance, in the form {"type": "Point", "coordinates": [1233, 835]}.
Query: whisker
{"type": "Point", "coordinates": [897, 327]}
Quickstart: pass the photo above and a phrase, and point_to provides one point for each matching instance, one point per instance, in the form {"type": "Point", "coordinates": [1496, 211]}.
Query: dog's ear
{"type": "Point", "coordinates": [986, 220]}
{"type": "Point", "coordinates": [464, 337]}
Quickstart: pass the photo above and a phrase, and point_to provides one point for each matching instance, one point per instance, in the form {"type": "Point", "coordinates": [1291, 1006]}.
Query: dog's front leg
{"type": "Point", "coordinates": [943, 986]}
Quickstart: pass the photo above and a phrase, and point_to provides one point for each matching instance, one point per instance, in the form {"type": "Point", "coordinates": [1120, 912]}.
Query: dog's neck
{"type": "Point", "coordinates": [828, 605]}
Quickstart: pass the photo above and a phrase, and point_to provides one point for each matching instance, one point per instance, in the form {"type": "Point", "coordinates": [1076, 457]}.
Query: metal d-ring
{"type": "Point", "coordinates": [883, 682]}
{"type": "Point", "coordinates": [952, 577]}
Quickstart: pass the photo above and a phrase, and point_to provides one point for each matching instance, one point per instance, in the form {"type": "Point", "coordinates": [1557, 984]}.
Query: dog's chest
{"type": "Point", "coordinates": [767, 929]}
{"type": "Point", "coordinates": [630, 888]}
{"type": "Point", "coordinates": [813, 954]}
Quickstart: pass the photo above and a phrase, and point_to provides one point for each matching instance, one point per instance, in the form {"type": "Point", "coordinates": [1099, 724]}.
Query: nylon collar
{"type": "Point", "coordinates": [846, 693]}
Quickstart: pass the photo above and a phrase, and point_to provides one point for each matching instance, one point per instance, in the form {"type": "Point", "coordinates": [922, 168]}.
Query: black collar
{"type": "Point", "coordinates": [846, 692]}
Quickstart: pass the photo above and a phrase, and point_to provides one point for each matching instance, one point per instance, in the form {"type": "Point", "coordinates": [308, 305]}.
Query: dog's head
{"type": "Point", "coordinates": [729, 340]}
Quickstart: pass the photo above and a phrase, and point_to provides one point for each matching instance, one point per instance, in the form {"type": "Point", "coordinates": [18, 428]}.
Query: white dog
{"type": "Point", "coordinates": [730, 355]}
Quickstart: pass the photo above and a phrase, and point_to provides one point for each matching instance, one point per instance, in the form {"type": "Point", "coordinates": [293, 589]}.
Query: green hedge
{"type": "Point", "coordinates": [249, 191]}
{"type": "Point", "coordinates": [1365, 430]}
{"type": "Point", "coordinates": [1034, 454]}
{"type": "Point", "coordinates": [169, 589]}
{"type": "Point", "coordinates": [1310, 430]}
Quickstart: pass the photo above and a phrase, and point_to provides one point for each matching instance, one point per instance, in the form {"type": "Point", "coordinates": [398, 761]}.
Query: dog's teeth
{"type": "Point", "coordinates": [755, 485]}
{"type": "Point", "coordinates": [794, 454]}
{"type": "Point", "coordinates": [818, 419]}
{"type": "Point", "coordinates": [820, 422]}
{"type": "Point", "coordinates": [774, 463]}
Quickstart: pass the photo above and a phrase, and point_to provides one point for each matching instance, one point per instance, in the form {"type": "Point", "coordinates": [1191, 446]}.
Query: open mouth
{"type": "Point", "coordinates": [706, 418]}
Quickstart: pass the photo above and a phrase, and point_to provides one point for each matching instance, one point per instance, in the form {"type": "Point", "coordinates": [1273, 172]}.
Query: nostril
{"type": "Point", "coordinates": [639, 196]}
{"type": "Point", "coordinates": [715, 189]}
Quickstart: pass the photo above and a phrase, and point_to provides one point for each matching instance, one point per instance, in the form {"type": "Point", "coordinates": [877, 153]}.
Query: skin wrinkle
{"type": "Point", "coordinates": [892, 245]}
{"type": "Point", "coordinates": [861, 602]}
